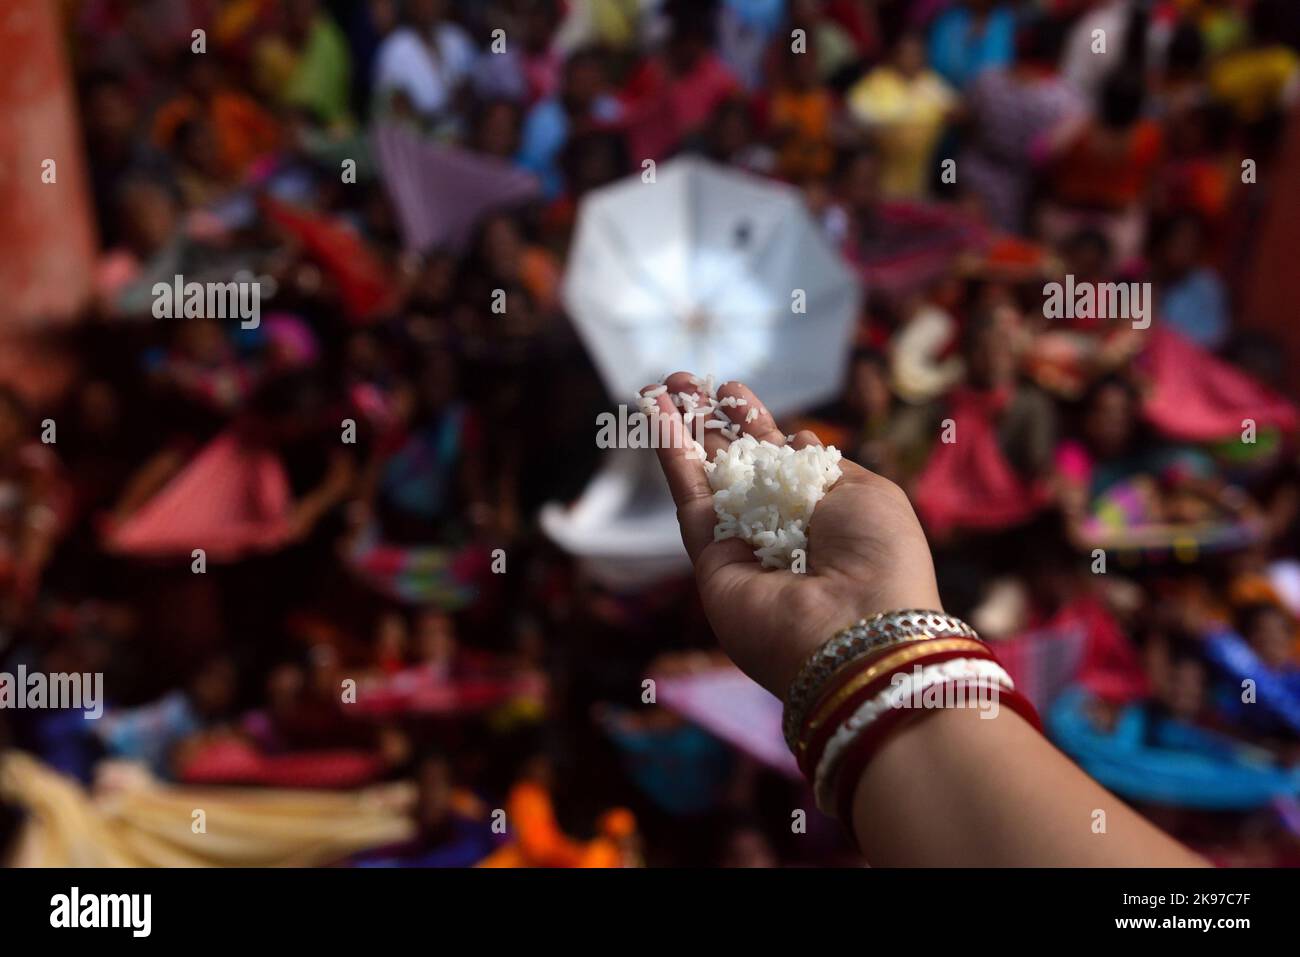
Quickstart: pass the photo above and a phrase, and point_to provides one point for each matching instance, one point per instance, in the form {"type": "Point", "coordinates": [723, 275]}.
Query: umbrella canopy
{"type": "Point", "coordinates": [441, 192]}
{"type": "Point", "coordinates": [715, 271]}
{"type": "Point", "coordinates": [230, 501]}
{"type": "Point", "coordinates": [623, 526]}
{"type": "Point", "coordinates": [727, 703]}
{"type": "Point", "coordinates": [1197, 397]}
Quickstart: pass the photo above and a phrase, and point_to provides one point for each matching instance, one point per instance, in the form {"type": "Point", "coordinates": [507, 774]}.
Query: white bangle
{"type": "Point", "coordinates": [981, 671]}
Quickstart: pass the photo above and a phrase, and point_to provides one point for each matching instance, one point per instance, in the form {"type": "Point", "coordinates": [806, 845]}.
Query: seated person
{"type": "Point", "coordinates": [452, 826]}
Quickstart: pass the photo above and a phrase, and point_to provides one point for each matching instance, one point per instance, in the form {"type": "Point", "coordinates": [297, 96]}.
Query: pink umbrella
{"type": "Point", "coordinates": [1197, 397]}
{"type": "Point", "coordinates": [729, 705]}
{"type": "Point", "coordinates": [229, 501]}
{"type": "Point", "coordinates": [441, 192]}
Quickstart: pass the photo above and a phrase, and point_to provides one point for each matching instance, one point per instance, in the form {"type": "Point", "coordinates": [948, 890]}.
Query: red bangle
{"type": "Point", "coordinates": [811, 744]}
{"type": "Point", "coordinates": [845, 680]}
{"type": "Point", "coordinates": [866, 744]}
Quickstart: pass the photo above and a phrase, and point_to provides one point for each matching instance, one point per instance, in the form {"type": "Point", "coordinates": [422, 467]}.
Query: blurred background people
{"type": "Point", "coordinates": [378, 607]}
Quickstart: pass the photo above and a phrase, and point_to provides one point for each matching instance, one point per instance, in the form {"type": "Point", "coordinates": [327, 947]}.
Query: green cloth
{"type": "Point", "coordinates": [321, 81]}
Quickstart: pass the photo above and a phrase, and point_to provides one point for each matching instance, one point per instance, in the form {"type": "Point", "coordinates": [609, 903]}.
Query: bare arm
{"type": "Point", "coordinates": [949, 787]}
{"type": "Point", "coordinates": [953, 788]}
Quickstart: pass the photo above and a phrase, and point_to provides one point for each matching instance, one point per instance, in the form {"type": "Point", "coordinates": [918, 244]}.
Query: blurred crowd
{"type": "Point", "coordinates": [1115, 505]}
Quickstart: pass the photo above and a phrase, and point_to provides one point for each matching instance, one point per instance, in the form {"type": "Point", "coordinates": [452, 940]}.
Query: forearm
{"type": "Point", "coordinates": [850, 639]}
{"type": "Point", "coordinates": [951, 788]}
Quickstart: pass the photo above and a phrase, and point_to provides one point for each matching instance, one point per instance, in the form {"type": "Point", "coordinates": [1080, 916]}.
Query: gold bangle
{"type": "Point", "coordinates": [909, 653]}
{"type": "Point", "coordinates": [867, 636]}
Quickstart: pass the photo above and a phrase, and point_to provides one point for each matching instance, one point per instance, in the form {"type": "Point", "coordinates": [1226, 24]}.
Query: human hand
{"type": "Point", "coordinates": [866, 552]}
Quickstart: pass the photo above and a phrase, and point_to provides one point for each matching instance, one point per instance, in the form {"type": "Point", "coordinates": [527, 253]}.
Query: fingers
{"type": "Point", "coordinates": [684, 469]}
{"type": "Point", "coordinates": [805, 438]}
{"type": "Point", "coordinates": [687, 482]}
{"type": "Point", "coordinates": [762, 426]}
{"type": "Point", "coordinates": [711, 439]}
{"type": "Point", "coordinates": [681, 463]}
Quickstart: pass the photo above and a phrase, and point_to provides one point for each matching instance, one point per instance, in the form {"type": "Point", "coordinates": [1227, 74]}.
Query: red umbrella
{"type": "Point", "coordinates": [365, 283]}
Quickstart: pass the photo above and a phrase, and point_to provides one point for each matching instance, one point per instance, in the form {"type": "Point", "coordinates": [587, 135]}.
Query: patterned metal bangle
{"type": "Point", "coordinates": [868, 635]}
{"type": "Point", "coordinates": [898, 655]}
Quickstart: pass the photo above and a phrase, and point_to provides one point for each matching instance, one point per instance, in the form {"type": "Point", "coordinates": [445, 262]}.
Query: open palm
{"type": "Point", "coordinates": [866, 552]}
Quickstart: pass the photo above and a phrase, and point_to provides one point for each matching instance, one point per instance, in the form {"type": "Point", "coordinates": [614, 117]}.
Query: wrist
{"type": "Point", "coordinates": [857, 644]}
{"type": "Point", "coordinates": [858, 690]}
{"type": "Point", "coordinates": [815, 631]}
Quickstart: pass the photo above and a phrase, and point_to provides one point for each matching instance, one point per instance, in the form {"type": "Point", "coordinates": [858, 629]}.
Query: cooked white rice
{"type": "Point", "coordinates": [763, 494]}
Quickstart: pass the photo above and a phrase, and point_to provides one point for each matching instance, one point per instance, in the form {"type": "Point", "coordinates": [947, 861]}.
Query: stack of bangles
{"type": "Point", "coordinates": [858, 688]}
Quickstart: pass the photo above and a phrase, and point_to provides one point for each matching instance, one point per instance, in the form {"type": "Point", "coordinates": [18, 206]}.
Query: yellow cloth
{"type": "Point", "coordinates": [907, 117]}
{"type": "Point", "coordinates": [138, 821]}
{"type": "Point", "coordinates": [236, 19]}
{"type": "Point", "coordinates": [615, 21]}
{"type": "Point", "coordinates": [1252, 81]}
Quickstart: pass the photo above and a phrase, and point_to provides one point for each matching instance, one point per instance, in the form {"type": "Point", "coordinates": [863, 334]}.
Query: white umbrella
{"type": "Point", "coordinates": [624, 525]}
{"type": "Point", "coordinates": [709, 270]}
{"type": "Point", "coordinates": [712, 270]}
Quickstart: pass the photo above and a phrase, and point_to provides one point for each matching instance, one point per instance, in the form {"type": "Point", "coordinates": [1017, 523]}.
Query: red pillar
{"type": "Point", "coordinates": [47, 239]}
{"type": "Point", "coordinates": [1268, 298]}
